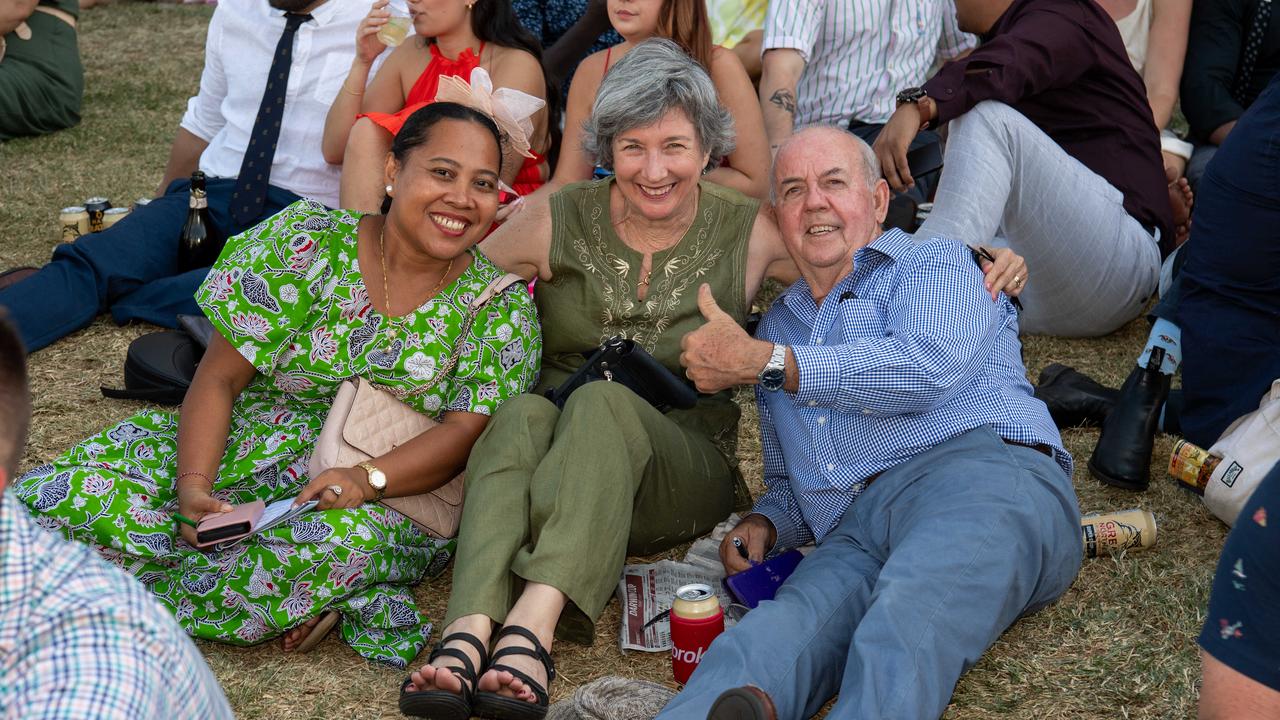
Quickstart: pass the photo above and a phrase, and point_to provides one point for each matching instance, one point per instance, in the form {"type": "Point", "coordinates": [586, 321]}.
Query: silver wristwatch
{"type": "Point", "coordinates": [774, 374]}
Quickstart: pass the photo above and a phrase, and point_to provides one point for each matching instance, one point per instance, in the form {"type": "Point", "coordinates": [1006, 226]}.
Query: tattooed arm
{"type": "Point", "coordinates": [781, 72]}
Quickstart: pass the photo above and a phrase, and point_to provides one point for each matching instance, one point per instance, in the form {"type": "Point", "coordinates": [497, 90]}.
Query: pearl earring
{"type": "Point", "coordinates": [388, 189]}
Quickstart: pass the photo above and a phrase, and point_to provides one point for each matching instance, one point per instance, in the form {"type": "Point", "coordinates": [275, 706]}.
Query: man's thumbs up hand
{"type": "Point", "coordinates": [720, 354]}
{"type": "Point", "coordinates": [707, 304]}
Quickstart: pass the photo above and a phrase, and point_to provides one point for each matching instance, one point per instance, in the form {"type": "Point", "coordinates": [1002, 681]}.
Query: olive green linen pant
{"type": "Point", "coordinates": [41, 79]}
{"type": "Point", "coordinates": [562, 497]}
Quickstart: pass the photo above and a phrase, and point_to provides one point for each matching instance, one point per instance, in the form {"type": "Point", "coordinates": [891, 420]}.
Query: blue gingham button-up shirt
{"type": "Point", "coordinates": [82, 639]}
{"type": "Point", "coordinates": [905, 352]}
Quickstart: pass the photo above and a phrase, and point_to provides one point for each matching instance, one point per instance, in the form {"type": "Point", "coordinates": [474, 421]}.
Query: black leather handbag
{"type": "Point", "coordinates": [622, 361]}
{"type": "Point", "coordinates": [159, 366]}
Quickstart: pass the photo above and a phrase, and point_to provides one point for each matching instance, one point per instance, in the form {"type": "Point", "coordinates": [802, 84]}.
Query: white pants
{"type": "Point", "coordinates": [1091, 267]}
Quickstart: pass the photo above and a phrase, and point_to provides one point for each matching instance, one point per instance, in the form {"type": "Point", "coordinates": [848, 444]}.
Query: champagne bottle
{"type": "Point", "coordinates": [197, 245]}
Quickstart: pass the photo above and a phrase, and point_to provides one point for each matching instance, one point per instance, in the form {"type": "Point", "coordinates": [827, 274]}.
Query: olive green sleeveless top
{"type": "Point", "coordinates": [592, 294]}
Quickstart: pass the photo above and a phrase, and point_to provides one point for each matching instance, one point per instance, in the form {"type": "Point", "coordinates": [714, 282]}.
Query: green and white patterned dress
{"type": "Point", "coordinates": [289, 297]}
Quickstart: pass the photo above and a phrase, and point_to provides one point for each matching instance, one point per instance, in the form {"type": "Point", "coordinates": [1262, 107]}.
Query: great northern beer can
{"type": "Point", "coordinates": [97, 208]}
{"type": "Point", "coordinates": [113, 216]}
{"type": "Point", "coordinates": [1112, 533]}
{"type": "Point", "coordinates": [696, 620]}
{"type": "Point", "coordinates": [74, 221]}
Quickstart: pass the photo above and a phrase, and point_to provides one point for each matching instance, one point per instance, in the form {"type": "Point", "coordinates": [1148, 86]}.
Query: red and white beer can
{"type": "Point", "coordinates": [696, 620]}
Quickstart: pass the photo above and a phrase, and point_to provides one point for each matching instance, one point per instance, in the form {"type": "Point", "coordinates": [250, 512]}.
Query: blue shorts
{"type": "Point", "coordinates": [1242, 628]}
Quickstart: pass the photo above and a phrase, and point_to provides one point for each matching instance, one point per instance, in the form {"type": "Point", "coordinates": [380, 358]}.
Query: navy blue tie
{"type": "Point", "coordinates": [1249, 57]}
{"type": "Point", "coordinates": [250, 194]}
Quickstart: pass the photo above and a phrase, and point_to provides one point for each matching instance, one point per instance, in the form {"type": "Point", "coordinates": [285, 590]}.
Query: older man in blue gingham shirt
{"type": "Point", "coordinates": [901, 435]}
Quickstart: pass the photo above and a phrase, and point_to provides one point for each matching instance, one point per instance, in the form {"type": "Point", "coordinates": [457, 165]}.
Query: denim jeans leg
{"type": "Point", "coordinates": [84, 277]}
{"type": "Point", "coordinates": [89, 276]}
{"type": "Point", "coordinates": [980, 532]}
{"type": "Point", "coordinates": [794, 646]}
{"type": "Point", "coordinates": [162, 299]}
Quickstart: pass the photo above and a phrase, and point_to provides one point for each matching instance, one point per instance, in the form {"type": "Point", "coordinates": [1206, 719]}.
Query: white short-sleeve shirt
{"type": "Point", "coordinates": [239, 49]}
{"type": "Point", "coordinates": [860, 53]}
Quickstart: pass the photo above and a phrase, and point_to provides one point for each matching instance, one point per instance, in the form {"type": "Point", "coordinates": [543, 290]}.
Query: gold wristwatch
{"type": "Point", "coordinates": [377, 480]}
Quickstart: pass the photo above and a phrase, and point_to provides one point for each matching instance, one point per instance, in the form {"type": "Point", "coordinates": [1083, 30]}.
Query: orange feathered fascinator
{"type": "Point", "coordinates": [510, 109]}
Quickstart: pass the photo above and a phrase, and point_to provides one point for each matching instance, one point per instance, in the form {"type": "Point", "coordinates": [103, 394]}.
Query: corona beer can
{"type": "Point", "coordinates": [74, 221]}
{"type": "Point", "coordinates": [1113, 533]}
{"type": "Point", "coordinates": [1192, 465]}
{"type": "Point", "coordinates": [96, 207]}
{"type": "Point", "coordinates": [696, 620]}
{"type": "Point", "coordinates": [113, 216]}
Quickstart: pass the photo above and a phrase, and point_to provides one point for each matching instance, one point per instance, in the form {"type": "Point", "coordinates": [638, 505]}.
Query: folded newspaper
{"type": "Point", "coordinates": [646, 591]}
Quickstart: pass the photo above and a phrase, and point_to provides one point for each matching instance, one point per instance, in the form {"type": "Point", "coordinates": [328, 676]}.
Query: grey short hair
{"type": "Point", "coordinates": [655, 77]}
{"type": "Point", "coordinates": [870, 163]}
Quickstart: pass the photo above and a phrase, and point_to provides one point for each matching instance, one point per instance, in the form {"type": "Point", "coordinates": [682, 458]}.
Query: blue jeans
{"type": "Point", "coordinates": [923, 573]}
{"type": "Point", "coordinates": [130, 269]}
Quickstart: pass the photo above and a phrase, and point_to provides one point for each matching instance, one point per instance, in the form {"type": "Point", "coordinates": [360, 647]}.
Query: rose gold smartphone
{"type": "Point", "coordinates": [213, 529]}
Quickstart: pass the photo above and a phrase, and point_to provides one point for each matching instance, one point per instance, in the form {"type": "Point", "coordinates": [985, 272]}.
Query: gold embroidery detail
{"type": "Point", "coordinates": [672, 278]}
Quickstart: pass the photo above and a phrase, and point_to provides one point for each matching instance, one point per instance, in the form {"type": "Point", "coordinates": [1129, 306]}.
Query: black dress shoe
{"type": "Point", "coordinates": [743, 703]}
{"type": "Point", "coordinates": [1122, 457]}
{"type": "Point", "coordinates": [1073, 398]}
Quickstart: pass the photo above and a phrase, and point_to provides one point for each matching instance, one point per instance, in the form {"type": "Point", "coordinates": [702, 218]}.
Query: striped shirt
{"type": "Point", "coordinates": [82, 639]}
{"type": "Point", "coordinates": [860, 53]}
{"type": "Point", "coordinates": [908, 351]}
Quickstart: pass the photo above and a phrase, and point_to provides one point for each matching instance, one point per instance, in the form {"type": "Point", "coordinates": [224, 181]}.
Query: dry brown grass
{"type": "Point", "coordinates": [1119, 644]}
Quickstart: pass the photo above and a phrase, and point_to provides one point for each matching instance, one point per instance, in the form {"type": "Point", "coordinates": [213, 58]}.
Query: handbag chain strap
{"type": "Point", "coordinates": [493, 289]}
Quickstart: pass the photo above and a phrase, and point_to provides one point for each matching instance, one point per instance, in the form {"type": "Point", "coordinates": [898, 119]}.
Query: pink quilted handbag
{"type": "Point", "coordinates": [366, 422]}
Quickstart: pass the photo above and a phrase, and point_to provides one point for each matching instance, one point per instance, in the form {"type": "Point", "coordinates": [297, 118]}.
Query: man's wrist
{"type": "Point", "coordinates": [760, 353]}
{"type": "Point", "coordinates": [912, 115]}
{"type": "Point", "coordinates": [768, 522]}
{"type": "Point", "coordinates": [928, 111]}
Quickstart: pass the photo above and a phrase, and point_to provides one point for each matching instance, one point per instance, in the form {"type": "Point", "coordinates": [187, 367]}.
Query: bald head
{"type": "Point", "coordinates": [859, 155]}
{"type": "Point", "coordinates": [829, 200]}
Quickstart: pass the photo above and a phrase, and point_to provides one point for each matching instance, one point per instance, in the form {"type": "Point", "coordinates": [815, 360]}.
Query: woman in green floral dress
{"type": "Point", "coordinates": [303, 301]}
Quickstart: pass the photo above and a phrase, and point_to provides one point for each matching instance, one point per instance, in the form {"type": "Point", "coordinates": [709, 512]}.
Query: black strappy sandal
{"type": "Point", "coordinates": [492, 706]}
{"type": "Point", "coordinates": [442, 704]}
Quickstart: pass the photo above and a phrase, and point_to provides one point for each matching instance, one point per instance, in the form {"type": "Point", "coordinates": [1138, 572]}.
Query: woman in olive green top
{"type": "Point", "coordinates": [557, 499]}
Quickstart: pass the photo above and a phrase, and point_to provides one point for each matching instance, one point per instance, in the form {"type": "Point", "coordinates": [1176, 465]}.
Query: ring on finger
{"type": "Point", "coordinates": [336, 489]}
{"type": "Point", "coordinates": [1017, 281]}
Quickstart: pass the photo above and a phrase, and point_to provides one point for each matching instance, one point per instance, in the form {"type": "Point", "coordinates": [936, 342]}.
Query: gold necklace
{"type": "Point", "coordinates": [398, 322]}
{"type": "Point", "coordinates": [623, 233]}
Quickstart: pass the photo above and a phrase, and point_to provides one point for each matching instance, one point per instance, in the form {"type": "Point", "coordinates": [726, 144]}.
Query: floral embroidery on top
{"type": "Point", "coordinates": [686, 262]}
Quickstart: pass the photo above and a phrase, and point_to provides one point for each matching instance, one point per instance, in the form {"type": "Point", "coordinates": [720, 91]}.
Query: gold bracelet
{"type": "Point", "coordinates": [193, 472]}
{"type": "Point", "coordinates": [348, 91]}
